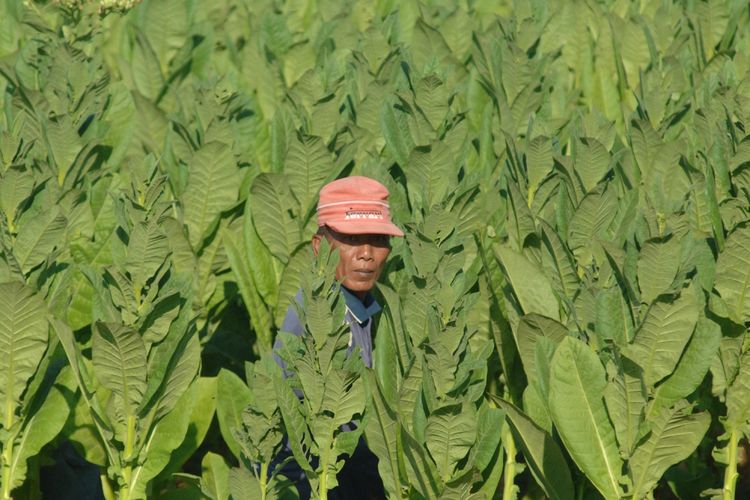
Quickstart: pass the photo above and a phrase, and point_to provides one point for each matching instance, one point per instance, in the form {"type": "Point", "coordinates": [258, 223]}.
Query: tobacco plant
{"type": "Point", "coordinates": [573, 178]}
{"type": "Point", "coordinates": [261, 438]}
{"type": "Point", "coordinates": [36, 391]}
{"type": "Point", "coordinates": [321, 394]}
{"type": "Point", "coordinates": [144, 350]}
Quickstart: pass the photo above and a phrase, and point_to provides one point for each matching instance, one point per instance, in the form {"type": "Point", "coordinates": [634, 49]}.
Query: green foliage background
{"type": "Point", "coordinates": [567, 315]}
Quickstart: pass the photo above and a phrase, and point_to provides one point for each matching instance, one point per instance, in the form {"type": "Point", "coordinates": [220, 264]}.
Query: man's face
{"type": "Point", "coordinates": [361, 258]}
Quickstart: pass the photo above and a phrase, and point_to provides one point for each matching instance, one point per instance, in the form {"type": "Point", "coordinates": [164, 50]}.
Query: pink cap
{"type": "Point", "coordinates": [356, 205]}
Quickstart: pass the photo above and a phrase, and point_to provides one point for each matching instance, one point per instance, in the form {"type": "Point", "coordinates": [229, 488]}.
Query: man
{"type": "Point", "coordinates": [354, 216]}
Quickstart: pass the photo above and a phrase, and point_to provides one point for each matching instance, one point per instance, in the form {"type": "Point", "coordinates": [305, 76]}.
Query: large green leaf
{"type": "Point", "coordinates": [212, 188]}
{"type": "Point", "coordinates": [625, 396]}
{"type": "Point", "coordinates": [539, 162]}
{"type": "Point", "coordinates": [542, 453]}
{"type": "Point", "coordinates": [232, 396]}
{"type": "Point", "coordinates": [274, 215]}
{"type": "Point", "coordinates": [590, 221]}
{"type": "Point", "coordinates": [530, 328]}
{"type": "Point", "coordinates": [662, 337]}
{"type": "Point", "coordinates": [577, 383]}
{"type": "Point", "coordinates": [264, 274]}
{"type": "Point", "coordinates": [420, 469]}
{"type": "Point", "coordinates": [147, 250]}
{"type": "Point", "coordinates": [450, 433]}
{"type": "Point", "coordinates": [732, 279]}
{"type": "Point", "coordinates": [432, 99]}
{"type": "Point", "coordinates": [692, 368]}
{"type": "Point", "coordinates": [488, 446]}
{"type": "Point", "coordinates": [381, 433]}
{"type": "Point", "coordinates": [591, 163]}
{"type": "Point", "coordinates": [675, 434]}
{"type": "Point", "coordinates": [15, 186]}
{"type": "Point", "coordinates": [613, 316]}
{"type": "Point", "coordinates": [38, 236]}
{"type": "Point", "coordinates": [558, 263]}
{"type": "Point", "coordinates": [119, 359]}
{"type": "Point", "coordinates": [431, 174]}
{"type": "Point", "coordinates": [166, 436]}
{"type": "Point", "coordinates": [308, 165]}
{"type": "Point", "coordinates": [215, 478]}
{"type": "Point", "coordinates": [42, 425]}
{"type": "Point", "coordinates": [203, 408]}
{"type": "Point", "coordinates": [738, 395]}
{"type": "Point", "coordinates": [395, 130]}
{"type": "Point", "coordinates": [64, 144]}
{"type": "Point", "coordinates": [658, 263]}
{"type": "Point", "coordinates": [181, 369]}
{"type": "Point", "coordinates": [241, 268]}
{"type": "Point", "coordinates": [530, 284]}
{"type": "Point", "coordinates": [146, 70]}
{"type": "Point", "coordinates": [24, 333]}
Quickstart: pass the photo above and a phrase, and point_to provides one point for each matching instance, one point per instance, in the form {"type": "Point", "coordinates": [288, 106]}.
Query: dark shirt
{"type": "Point", "coordinates": [359, 316]}
{"type": "Point", "coordinates": [359, 478]}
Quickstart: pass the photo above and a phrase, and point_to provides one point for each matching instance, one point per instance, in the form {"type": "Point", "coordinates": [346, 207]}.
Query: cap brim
{"type": "Point", "coordinates": [366, 227]}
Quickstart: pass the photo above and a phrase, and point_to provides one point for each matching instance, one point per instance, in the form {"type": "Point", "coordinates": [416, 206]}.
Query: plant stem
{"type": "Point", "coordinates": [7, 460]}
{"type": "Point", "coordinates": [106, 486]}
{"type": "Point", "coordinates": [510, 464]}
{"type": "Point", "coordinates": [730, 474]}
{"type": "Point", "coordinates": [127, 470]}
{"type": "Point", "coordinates": [323, 487]}
{"type": "Point", "coordinates": [8, 447]}
{"type": "Point", "coordinates": [263, 480]}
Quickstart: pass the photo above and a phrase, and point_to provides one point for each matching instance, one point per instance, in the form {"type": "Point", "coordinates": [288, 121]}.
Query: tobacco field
{"type": "Point", "coordinates": [566, 318]}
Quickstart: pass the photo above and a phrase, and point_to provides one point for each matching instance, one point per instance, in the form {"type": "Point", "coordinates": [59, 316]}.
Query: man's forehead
{"type": "Point", "coordinates": [349, 233]}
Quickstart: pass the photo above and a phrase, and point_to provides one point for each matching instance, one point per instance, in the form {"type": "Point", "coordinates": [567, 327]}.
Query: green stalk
{"type": "Point", "coordinates": [7, 459]}
{"type": "Point", "coordinates": [127, 471]}
{"type": "Point", "coordinates": [510, 464]}
{"type": "Point", "coordinates": [263, 480]}
{"type": "Point", "coordinates": [323, 487]}
{"type": "Point", "coordinates": [109, 494]}
{"type": "Point", "coordinates": [8, 446]}
{"type": "Point", "coordinates": [730, 474]}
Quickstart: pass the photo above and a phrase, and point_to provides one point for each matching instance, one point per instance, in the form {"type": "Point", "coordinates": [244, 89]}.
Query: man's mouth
{"type": "Point", "coordinates": [364, 272]}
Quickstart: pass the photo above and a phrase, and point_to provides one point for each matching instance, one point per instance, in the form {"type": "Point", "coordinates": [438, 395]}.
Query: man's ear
{"type": "Point", "coordinates": [316, 243]}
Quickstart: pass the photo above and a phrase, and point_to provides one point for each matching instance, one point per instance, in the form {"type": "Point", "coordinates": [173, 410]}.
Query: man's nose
{"type": "Point", "coordinates": [365, 252]}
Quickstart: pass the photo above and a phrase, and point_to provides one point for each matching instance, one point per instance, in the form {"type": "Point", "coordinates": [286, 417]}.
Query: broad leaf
{"type": "Point", "coordinates": [692, 368]}
{"type": "Point", "coordinates": [382, 436]}
{"type": "Point", "coordinates": [577, 383]}
{"type": "Point", "coordinates": [662, 337]}
{"type": "Point", "coordinates": [658, 263]}
{"type": "Point", "coordinates": [38, 236]}
{"type": "Point", "coordinates": [674, 436]}
{"type": "Point", "coordinates": [308, 165]}
{"type": "Point", "coordinates": [24, 333]}
{"type": "Point", "coordinates": [212, 188]}
{"type": "Point", "coordinates": [732, 279]}
{"type": "Point", "coordinates": [542, 453]}
{"type": "Point", "coordinates": [530, 285]}
{"type": "Point", "coordinates": [119, 358]}
{"type": "Point", "coordinates": [450, 434]}
{"type": "Point", "coordinates": [274, 215]}
{"type": "Point", "coordinates": [42, 426]}
{"type": "Point", "coordinates": [232, 396]}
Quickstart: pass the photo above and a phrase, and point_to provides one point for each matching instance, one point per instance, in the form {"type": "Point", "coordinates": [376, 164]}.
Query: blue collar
{"type": "Point", "coordinates": [361, 310]}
